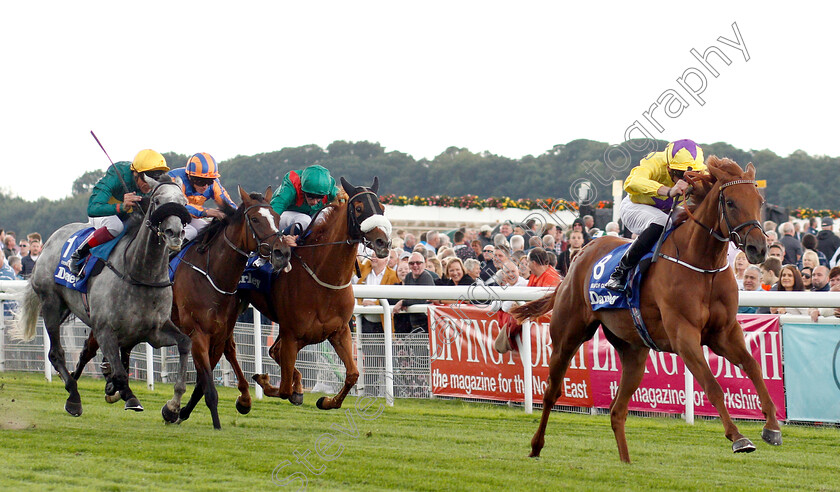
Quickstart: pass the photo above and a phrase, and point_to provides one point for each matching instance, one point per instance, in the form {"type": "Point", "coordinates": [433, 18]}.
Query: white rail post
{"type": "Point", "coordinates": [150, 367]}
{"type": "Point", "coordinates": [258, 367]}
{"type": "Point", "coordinates": [387, 328]}
{"type": "Point", "coordinates": [47, 364]}
{"type": "Point", "coordinates": [689, 397]}
{"type": "Point", "coordinates": [525, 353]}
{"type": "Point", "coordinates": [2, 336]}
{"type": "Point", "coordinates": [360, 356]}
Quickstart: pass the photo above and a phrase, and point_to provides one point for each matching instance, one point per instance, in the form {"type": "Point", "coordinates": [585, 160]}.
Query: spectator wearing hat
{"type": "Point", "coordinates": [828, 242]}
{"type": "Point", "coordinates": [577, 225]}
{"type": "Point", "coordinates": [484, 235]}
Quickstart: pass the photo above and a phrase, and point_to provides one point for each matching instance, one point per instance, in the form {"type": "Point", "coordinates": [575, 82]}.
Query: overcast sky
{"type": "Point", "coordinates": [512, 78]}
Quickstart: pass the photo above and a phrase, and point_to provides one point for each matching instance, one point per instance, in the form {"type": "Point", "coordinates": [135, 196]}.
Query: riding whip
{"type": "Point", "coordinates": [125, 186]}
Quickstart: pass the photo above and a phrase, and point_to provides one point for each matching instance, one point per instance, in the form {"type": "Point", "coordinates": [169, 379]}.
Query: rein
{"type": "Point", "coordinates": [260, 243]}
{"type": "Point", "coordinates": [355, 231]}
{"type": "Point", "coordinates": [156, 216]}
{"type": "Point", "coordinates": [733, 235]}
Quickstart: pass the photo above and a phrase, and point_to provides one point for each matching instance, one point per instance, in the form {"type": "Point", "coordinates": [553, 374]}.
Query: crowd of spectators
{"type": "Point", "coordinates": [800, 257]}
{"type": "Point", "coordinates": [17, 258]}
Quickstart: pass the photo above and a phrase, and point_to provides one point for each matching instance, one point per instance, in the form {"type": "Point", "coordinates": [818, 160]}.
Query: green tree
{"type": "Point", "coordinates": [86, 182]}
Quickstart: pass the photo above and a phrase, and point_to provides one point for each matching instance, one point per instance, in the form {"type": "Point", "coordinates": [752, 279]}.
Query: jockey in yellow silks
{"type": "Point", "coordinates": [652, 188]}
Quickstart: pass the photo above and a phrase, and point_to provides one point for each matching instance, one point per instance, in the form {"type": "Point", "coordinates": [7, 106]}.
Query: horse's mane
{"type": "Point", "coordinates": [703, 183]}
{"type": "Point", "coordinates": [208, 235]}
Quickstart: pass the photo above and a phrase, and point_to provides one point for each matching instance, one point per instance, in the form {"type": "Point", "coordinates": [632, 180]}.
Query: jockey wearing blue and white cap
{"type": "Point", "coordinates": [652, 188]}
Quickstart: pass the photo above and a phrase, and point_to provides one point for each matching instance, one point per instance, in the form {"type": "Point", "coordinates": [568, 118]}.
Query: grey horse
{"type": "Point", "coordinates": [127, 303]}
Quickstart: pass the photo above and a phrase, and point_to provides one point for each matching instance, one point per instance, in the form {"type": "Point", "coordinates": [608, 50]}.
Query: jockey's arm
{"type": "Point", "coordinates": [220, 195]}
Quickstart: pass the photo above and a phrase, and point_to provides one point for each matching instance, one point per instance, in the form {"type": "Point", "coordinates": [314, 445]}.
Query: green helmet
{"type": "Point", "coordinates": [316, 180]}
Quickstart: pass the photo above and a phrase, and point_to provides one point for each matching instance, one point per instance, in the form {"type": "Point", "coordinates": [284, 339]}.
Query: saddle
{"type": "Point", "coordinates": [94, 263]}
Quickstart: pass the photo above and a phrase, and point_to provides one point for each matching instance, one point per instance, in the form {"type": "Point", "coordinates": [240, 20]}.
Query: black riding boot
{"type": "Point", "coordinates": [640, 247]}
{"type": "Point", "coordinates": [79, 255]}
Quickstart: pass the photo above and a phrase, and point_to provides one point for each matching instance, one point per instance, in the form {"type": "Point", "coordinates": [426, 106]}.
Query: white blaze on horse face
{"type": "Point", "coordinates": [267, 214]}
{"type": "Point", "coordinates": [374, 221]}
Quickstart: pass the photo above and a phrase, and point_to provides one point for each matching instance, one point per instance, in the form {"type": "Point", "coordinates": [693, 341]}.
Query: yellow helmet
{"type": "Point", "coordinates": [148, 160]}
{"type": "Point", "coordinates": [684, 154]}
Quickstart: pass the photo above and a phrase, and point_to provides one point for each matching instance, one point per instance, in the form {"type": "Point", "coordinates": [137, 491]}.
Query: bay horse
{"type": "Point", "coordinates": [127, 303]}
{"type": "Point", "coordinates": [314, 301]}
{"type": "Point", "coordinates": [204, 302]}
{"type": "Point", "coordinates": [685, 305]}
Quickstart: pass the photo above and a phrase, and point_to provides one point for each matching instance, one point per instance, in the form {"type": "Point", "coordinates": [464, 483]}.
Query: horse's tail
{"type": "Point", "coordinates": [26, 315]}
{"type": "Point", "coordinates": [535, 309]}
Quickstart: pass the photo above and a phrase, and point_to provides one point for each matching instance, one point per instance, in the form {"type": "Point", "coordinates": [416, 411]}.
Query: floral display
{"type": "Point", "coordinates": [473, 201]}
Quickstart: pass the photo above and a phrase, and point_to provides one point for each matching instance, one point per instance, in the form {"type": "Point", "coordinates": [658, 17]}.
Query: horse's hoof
{"type": "Point", "coordinates": [771, 436]}
{"type": "Point", "coordinates": [74, 408]}
{"type": "Point", "coordinates": [743, 445]}
{"type": "Point", "coordinates": [320, 403]}
{"type": "Point", "coordinates": [110, 389]}
{"type": "Point", "coordinates": [184, 414]}
{"type": "Point", "coordinates": [242, 408]}
{"type": "Point", "coordinates": [112, 398]}
{"type": "Point", "coordinates": [133, 404]}
{"type": "Point", "coordinates": [169, 415]}
{"type": "Point", "coordinates": [297, 399]}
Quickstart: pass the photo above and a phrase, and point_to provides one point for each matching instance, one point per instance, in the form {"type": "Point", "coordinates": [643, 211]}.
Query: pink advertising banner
{"type": "Point", "coordinates": [663, 386]}
{"type": "Point", "coordinates": [464, 364]}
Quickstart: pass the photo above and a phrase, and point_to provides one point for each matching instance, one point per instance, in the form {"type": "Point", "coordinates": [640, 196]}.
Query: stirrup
{"type": "Point", "coordinates": [617, 284]}
{"type": "Point", "coordinates": [76, 264]}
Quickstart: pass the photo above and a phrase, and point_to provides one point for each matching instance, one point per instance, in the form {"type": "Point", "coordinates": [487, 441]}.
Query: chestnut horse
{"type": "Point", "coordinates": [685, 305]}
{"type": "Point", "coordinates": [314, 302]}
{"type": "Point", "coordinates": [204, 304]}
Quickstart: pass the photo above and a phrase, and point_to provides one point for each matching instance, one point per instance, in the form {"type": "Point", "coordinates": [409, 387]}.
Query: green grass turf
{"type": "Point", "coordinates": [415, 445]}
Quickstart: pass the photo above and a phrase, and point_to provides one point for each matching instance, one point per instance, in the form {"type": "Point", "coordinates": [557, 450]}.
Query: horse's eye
{"type": "Point", "coordinates": [359, 209]}
{"type": "Point", "coordinates": [730, 203]}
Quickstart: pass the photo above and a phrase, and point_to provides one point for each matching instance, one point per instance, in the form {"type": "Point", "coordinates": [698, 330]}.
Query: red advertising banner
{"type": "Point", "coordinates": [464, 364]}
{"type": "Point", "coordinates": [663, 386]}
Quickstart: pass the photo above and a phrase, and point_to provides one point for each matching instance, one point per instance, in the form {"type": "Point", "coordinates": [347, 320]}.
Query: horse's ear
{"type": "Point", "coordinates": [350, 189]}
{"type": "Point", "coordinates": [267, 194]}
{"type": "Point", "coordinates": [375, 186]}
{"type": "Point", "coordinates": [750, 173]}
{"type": "Point", "coordinates": [150, 181]}
{"type": "Point", "coordinates": [178, 181]}
{"type": "Point", "coordinates": [244, 196]}
{"type": "Point", "coordinates": [713, 165]}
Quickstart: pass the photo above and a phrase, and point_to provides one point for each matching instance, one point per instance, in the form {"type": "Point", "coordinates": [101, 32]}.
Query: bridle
{"type": "Point", "coordinates": [156, 215]}
{"type": "Point", "coordinates": [260, 243]}
{"type": "Point", "coordinates": [264, 249]}
{"type": "Point", "coordinates": [733, 235]}
{"type": "Point", "coordinates": [356, 231]}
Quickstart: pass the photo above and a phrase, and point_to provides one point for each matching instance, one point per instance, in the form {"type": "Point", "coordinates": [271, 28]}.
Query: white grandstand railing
{"type": "Point", "coordinates": [9, 288]}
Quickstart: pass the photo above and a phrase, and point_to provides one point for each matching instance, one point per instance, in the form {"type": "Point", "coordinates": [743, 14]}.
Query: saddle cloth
{"type": "Point", "coordinates": [256, 277]}
{"type": "Point", "coordinates": [62, 274]}
{"type": "Point", "coordinates": [176, 260]}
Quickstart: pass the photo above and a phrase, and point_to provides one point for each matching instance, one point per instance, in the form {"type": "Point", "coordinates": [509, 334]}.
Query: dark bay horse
{"type": "Point", "coordinates": [204, 302]}
{"type": "Point", "coordinates": [127, 303]}
{"type": "Point", "coordinates": [214, 267]}
{"type": "Point", "coordinates": [684, 306]}
{"type": "Point", "coordinates": [314, 302]}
